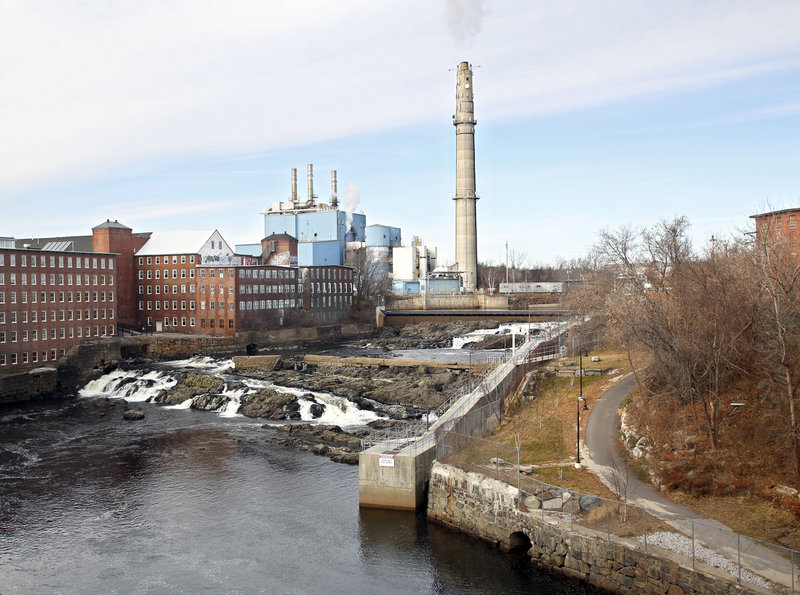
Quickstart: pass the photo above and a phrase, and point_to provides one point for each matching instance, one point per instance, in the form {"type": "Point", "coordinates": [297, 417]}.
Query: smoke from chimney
{"type": "Point", "coordinates": [351, 201]}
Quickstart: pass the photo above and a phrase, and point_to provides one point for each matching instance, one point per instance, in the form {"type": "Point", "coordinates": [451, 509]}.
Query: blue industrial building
{"type": "Point", "coordinates": [383, 236]}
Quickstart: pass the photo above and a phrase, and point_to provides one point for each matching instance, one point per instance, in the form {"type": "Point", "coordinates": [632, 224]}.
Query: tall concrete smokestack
{"type": "Point", "coordinates": [310, 184]}
{"type": "Point", "coordinates": [334, 197]}
{"type": "Point", "coordinates": [294, 185]}
{"type": "Point", "coordinates": [466, 219]}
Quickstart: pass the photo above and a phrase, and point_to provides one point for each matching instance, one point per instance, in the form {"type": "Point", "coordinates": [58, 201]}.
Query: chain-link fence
{"type": "Point", "coordinates": [750, 561]}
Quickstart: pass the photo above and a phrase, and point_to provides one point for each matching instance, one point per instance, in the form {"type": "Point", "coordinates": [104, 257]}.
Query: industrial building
{"type": "Point", "coordinates": [322, 230]}
{"type": "Point", "coordinates": [52, 299]}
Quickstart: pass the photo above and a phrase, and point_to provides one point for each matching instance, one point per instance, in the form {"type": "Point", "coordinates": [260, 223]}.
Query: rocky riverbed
{"type": "Point", "coordinates": [326, 408]}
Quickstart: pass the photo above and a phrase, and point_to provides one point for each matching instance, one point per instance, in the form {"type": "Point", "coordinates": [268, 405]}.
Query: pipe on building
{"type": "Point", "coordinates": [294, 185]}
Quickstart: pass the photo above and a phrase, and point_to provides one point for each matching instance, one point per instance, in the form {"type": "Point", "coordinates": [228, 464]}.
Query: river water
{"type": "Point", "coordinates": [190, 501]}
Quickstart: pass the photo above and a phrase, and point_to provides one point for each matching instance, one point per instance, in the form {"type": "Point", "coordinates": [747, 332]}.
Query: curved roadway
{"type": "Point", "coordinates": [602, 430]}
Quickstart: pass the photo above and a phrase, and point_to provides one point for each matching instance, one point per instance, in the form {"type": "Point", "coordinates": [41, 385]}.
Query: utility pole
{"type": "Point", "coordinates": [506, 261]}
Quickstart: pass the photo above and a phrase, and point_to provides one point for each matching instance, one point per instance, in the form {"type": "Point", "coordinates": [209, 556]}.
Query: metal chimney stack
{"type": "Point", "coordinates": [465, 197]}
{"type": "Point", "coordinates": [334, 197]}
{"type": "Point", "coordinates": [294, 186]}
{"type": "Point", "coordinates": [310, 184]}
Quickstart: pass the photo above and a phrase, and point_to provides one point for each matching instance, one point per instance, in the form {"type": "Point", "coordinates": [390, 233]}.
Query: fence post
{"type": "Point", "coordinates": [571, 511]}
{"type": "Point", "coordinates": [644, 528]}
{"type": "Point", "coordinates": [541, 498]}
{"type": "Point", "coordinates": [739, 555]}
{"type": "Point", "coordinates": [792, 572]}
{"type": "Point", "coordinates": [608, 523]}
{"type": "Point", "coordinates": [692, 545]}
{"type": "Point", "coordinates": [518, 470]}
{"type": "Point", "coordinates": [496, 461]}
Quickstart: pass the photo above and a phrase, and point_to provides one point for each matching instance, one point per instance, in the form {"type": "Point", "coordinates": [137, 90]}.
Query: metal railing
{"type": "Point", "coordinates": [453, 408]}
{"type": "Point", "coordinates": [747, 559]}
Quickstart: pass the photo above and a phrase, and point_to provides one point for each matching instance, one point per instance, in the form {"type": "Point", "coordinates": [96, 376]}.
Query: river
{"type": "Point", "coordinates": [190, 501]}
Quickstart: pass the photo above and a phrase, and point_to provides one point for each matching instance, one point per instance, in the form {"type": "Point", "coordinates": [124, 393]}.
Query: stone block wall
{"type": "Point", "coordinates": [487, 508]}
{"type": "Point", "coordinates": [26, 386]}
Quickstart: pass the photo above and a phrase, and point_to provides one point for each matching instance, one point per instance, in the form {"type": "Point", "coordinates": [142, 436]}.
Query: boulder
{"type": "Point", "coordinates": [191, 385]}
{"type": "Point", "coordinates": [270, 404]}
{"type": "Point", "coordinates": [532, 503]}
{"type": "Point", "coordinates": [133, 415]}
{"type": "Point", "coordinates": [316, 410]}
{"type": "Point", "coordinates": [589, 502]}
{"type": "Point", "coordinates": [553, 504]}
{"type": "Point", "coordinates": [209, 402]}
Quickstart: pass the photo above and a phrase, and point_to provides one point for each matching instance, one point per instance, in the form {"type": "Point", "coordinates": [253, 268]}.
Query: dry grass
{"type": "Point", "coordinates": [732, 484]}
{"type": "Point", "coordinates": [544, 421]}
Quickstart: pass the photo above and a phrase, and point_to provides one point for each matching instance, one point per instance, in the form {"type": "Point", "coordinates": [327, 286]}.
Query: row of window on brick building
{"type": "Point", "coordinates": [70, 262]}
{"type": "Point", "coordinates": [25, 279]}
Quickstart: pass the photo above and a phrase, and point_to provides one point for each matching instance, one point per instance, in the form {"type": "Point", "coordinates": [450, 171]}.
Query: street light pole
{"type": "Point", "coordinates": [585, 408]}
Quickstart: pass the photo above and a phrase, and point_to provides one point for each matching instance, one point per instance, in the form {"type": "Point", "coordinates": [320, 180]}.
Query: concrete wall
{"type": "Point", "coordinates": [397, 487]}
{"type": "Point", "coordinates": [486, 508]}
{"type": "Point", "coordinates": [468, 301]}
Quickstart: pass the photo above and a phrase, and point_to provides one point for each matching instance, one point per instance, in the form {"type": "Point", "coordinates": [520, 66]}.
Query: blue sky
{"type": "Point", "coordinates": [187, 115]}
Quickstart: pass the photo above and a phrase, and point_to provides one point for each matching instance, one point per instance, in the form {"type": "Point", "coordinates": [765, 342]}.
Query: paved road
{"type": "Point", "coordinates": [602, 430]}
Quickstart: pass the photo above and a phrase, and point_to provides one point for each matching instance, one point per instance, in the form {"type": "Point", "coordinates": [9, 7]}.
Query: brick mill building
{"type": "Point", "coordinates": [781, 227]}
{"type": "Point", "coordinates": [193, 282]}
{"type": "Point", "coordinates": [52, 299]}
{"type": "Point", "coordinates": [58, 292]}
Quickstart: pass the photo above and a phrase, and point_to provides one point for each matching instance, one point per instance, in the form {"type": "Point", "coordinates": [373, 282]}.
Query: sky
{"type": "Point", "coordinates": [174, 114]}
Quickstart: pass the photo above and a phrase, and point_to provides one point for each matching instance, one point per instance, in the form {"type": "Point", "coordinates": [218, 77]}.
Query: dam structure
{"type": "Point", "coordinates": [394, 467]}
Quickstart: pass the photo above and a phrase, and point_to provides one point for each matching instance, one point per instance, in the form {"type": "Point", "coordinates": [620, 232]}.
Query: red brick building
{"type": "Point", "coordinates": [781, 227]}
{"type": "Point", "coordinates": [52, 300]}
{"type": "Point", "coordinates": [327, 292]}
{"type": "Point", "coordinates": [113, 237]}
{"type": "Point", "coordinates": [192, 282]}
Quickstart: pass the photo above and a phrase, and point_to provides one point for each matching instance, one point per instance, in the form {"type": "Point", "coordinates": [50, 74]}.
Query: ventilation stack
{"type": "Point", "coordinates": [310, 184]}
{"type": "Point", "coordinates": [465, 197]}
{"type": "Point", "coordinates": [294, 187]}
{"type": "Point", "coordinates": [334, 196]}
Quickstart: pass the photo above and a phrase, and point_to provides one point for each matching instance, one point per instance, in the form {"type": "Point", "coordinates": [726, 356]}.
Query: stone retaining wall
{"type": "Point", "coordinates": [82, 362]}
{"type": "Point", "coordinates": [26, 386]}
{"type": "Point", "coordinates": [487, 508]}
{"type": "Point", "coordinates": [380, 362]}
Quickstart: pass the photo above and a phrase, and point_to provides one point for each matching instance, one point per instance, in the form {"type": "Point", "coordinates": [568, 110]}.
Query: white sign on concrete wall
{"type": "Point", "coordinates": [386, 461]}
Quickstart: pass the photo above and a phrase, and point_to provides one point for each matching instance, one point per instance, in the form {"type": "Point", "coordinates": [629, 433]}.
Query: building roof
{"type": "Point", "coordinates": [108, 223]}
{"type": "Point", "coordinates": [79, 243]}
{"type": "Point", "coordinates": [282, 235]}
{"type": "Point", "coordinates": [176, 242]}
{"type": "Point", "coordinates": [771, 213]}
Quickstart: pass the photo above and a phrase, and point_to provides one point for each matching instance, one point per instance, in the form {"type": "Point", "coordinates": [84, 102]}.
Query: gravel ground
{"type": "Point", "coordinates": [681, 544]}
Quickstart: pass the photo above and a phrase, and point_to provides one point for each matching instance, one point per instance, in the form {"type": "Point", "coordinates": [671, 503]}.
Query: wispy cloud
{"type": "Point", "coordinates": [92, 85]}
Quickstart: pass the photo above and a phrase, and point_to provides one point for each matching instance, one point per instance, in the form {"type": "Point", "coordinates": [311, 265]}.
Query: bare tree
{"type": "Point", "coordinates": [369, 279]}
{"type": "Point", "coordinates": [777, 274]}
{"type": "Point", "coordinates": [688, 310]}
